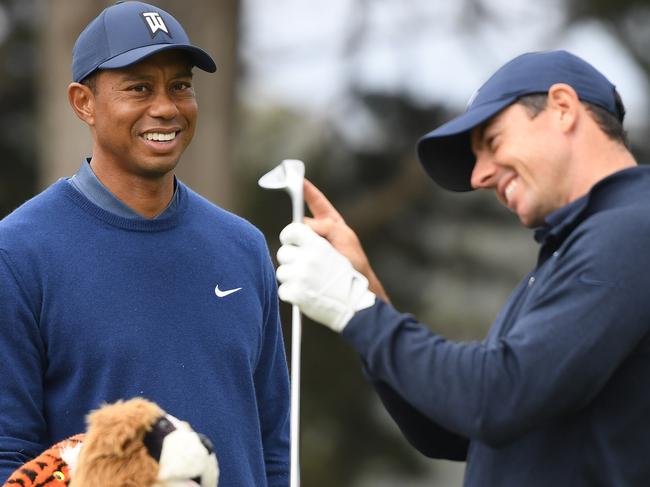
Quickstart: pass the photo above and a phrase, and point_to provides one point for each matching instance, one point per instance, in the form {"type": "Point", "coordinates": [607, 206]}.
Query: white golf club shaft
{"type": "Point", "coordinates": [296, 340]}
{"type": "Point", "coordinates": [289, 176]}
{"type": "Point", "coordinates": [297, 203]}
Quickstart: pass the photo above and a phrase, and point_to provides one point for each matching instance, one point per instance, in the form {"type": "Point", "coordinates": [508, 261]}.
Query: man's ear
{"type": "Point", "coordinates": [82, 101]}
{"type": "Point", "coordinates": [564, 101]}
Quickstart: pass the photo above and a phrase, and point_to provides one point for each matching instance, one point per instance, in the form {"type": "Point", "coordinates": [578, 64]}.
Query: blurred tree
{"type": "Point", "coordinates": [340, 439]}
{"type": "Point", "coordinates": [628, 21]}
{"type": "Point", "coordinates": [18, 60]}
{"type": "Point", "coordinates": [64, 140]}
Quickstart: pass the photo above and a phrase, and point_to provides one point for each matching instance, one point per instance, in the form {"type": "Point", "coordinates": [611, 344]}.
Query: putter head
{"type": "Point", "coordinates": [289, 176]}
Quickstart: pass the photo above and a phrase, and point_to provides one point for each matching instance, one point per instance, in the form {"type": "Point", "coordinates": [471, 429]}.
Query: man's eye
{"type": "Point", "coordinates": [491, 143]}
{"type": "Point", "coordinates": [183, 85]}
{"type": "Point", "coordinates": [139, 88]}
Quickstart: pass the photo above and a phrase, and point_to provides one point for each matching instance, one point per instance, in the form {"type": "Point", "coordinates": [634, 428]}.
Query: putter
{"type": "Point", "coordinates": [289, 176]}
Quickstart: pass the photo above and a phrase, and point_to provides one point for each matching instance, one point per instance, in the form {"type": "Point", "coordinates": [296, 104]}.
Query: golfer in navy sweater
{"type": "Point", "coordinates": [121, 281]}
{"type": "Point", "coordinates": [558, 393]}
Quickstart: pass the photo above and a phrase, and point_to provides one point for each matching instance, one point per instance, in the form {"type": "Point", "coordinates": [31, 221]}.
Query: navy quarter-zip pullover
{"type": "Point", "coordinates": [558, 392]}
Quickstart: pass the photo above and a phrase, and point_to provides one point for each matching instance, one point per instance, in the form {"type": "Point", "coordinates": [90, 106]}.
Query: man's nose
{"type": "Point", "coordinates": [483, 174]}
{"type": "Point", "coordinates": [163, 106]}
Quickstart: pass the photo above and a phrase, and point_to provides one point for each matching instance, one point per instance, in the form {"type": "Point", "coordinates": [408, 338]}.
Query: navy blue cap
{"type": "Point", "coordinates": [446, 152]}
{"type": "Point", "coordinates": [126, 33]}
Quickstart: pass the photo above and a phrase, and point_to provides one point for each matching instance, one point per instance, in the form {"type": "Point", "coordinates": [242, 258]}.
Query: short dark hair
{"type": "Point", "coordinates": [609, 123]}
{"type": "Point", "coordinates": [90, 81]}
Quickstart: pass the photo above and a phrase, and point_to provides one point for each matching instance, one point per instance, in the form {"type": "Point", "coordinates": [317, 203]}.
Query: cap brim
{"type": "Point", "coordinates": [446, 153]}
{"type": "Point", "coordinates": [200, 58]}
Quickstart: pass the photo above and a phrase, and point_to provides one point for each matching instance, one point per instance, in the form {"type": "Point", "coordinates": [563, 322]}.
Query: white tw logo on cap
{"type": "Point", "coordinates": [155, 23]}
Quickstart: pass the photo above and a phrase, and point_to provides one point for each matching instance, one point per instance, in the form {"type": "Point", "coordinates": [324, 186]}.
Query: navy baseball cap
{"type": "Point", "coordinates": [126, 33]}
{"type": "Point", "coordinates": [446, 152]}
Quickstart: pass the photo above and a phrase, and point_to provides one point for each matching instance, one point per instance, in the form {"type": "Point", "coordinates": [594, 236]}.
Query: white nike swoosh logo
{"type": "Point", "coordinates": [223, 294]}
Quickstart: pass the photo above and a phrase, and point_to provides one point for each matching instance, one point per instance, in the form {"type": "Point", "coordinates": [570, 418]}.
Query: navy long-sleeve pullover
{"type": "Point", "coordinates": [559, 391]}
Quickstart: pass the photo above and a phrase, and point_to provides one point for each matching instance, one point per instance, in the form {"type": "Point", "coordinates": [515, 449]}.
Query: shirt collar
{"type": "Point", "coordinates": [560, 219]}
{"type": "Point", "coordinates": [615, 190]}
{"type": "Point", "coordinates": [87, 183]}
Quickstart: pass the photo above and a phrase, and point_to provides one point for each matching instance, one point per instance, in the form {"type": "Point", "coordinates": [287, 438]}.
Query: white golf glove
{"type": "Point", "coordinates": [317, 278]}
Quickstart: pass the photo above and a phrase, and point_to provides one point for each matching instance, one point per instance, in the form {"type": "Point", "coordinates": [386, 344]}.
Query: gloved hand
{"type": "Point", "coordinates": [314, 276]}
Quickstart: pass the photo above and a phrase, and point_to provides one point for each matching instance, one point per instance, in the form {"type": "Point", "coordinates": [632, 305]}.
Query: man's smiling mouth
{"type": "Point", "coordinates": [159, 136]}
{"type": "Point", "coordinates": [510, 189]}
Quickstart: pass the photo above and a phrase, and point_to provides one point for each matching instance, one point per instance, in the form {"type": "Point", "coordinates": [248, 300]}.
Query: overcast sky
{"type": "Point", "coordinates": [296, 50]}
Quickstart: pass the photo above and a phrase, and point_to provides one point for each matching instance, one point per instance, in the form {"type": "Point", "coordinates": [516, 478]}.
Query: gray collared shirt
{"type": "Point", "coordinates": [86, 182]}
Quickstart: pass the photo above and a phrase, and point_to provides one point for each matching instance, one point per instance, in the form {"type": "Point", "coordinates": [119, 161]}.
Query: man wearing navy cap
{"type": "Point", "coordinates": [121, 281]}
{"type": "Point", "coordinates": [557, 393]}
